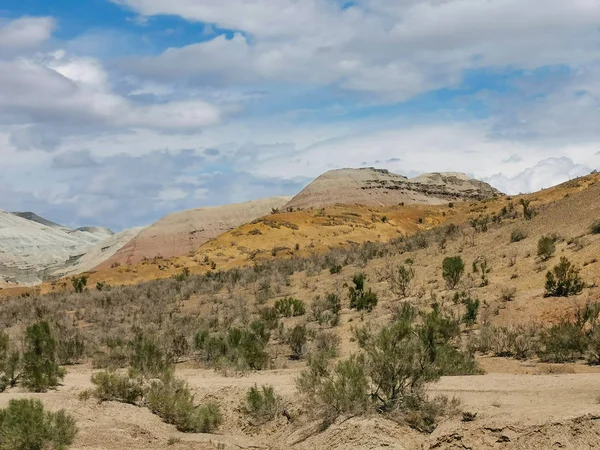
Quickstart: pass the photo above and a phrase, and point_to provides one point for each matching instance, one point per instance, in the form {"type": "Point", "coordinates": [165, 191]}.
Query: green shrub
{"type": "Point", "coordinates": [70, 346]}
{"type": "Point", "coordinates": [147, 358]}
{"type": "Point", "coordinates": [173, 402]}
{"type": "Point", "coordinates": [327, 343]}
{"type": "Point", "coordinates": [342, 390]}
{"type": "Point", "coordinates": [24, 425]}
{"type": "Point", "coordinates": [262, 405]}
{"type": "Point", "coordinates": [452, 270]}
{"type": "Point", "coordinates": [517, 235]}
{"type": "Point", "coordinates": [40, 366]}
{"type": "Point", "coordinates": [327, 311]}
{"type": "Point", "coordinates": [113, 386]}
{"type": "Point", "coordinates": [359, 298]}
{"type": "Point", "coordinates": [401, 279]}
{"type": "Point", "coordinates": [482, 267]}
{"type": "Point", "coordinates": [563, 280]}
{"type": "Point", "coordinates": [470, 316]}
{"type": "Point", "coordinates": [546, 247]}
{"type": "Point", "coordinates": [290, 307]}
{"type": "Point", "coordinates": [563, 342]}
{"type": "Point", "coordinates": [79, 283]}
{"type": "Point", "coordinates": [528, 210]}
{"type": "Point", "coordinates": [297, 341]}
{"type": "Point", "coordinates": [595, 227]}
{"type": "Point", "coordinates": [10, 363]}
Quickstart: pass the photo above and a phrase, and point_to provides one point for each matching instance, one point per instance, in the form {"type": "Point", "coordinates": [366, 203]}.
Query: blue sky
{"type": "Point", "coordinates": [118, 112]}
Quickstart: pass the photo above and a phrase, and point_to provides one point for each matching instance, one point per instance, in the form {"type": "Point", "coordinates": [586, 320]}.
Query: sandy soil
{"type": "Point", "coordinates": [514, 410]}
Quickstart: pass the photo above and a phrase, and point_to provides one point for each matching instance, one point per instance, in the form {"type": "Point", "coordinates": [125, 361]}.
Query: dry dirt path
{"type": "Point", "coordinates": [513, 411]}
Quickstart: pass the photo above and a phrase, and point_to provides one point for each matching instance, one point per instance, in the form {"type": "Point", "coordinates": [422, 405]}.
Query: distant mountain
{"type": "Point", "coordinates": [379, 187]}
{"type": "Point", "coordinates": [32, 248]}
{"type": "Point", "coordinates": [35, 218]}
{"type": "Point", "coordinates": [180, 233]}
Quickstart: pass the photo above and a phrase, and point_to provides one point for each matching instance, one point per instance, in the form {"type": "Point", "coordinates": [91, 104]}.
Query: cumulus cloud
{"type": "Point", "coordinates": [544, 174]}
{"type": "Point", "coordinates": [64, 89]}
{"type": "Point", "coordinates": [24, 34]}
{"type": "Point", "coordinates": [394, 49]}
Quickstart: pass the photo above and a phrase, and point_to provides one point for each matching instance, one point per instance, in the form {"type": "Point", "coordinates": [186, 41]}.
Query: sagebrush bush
{"type": "Point", "coordinates": [240, 347]}
{"type": "Point", "coordinates": [70, 345]}
{"type": "Point", "coordinates": [453, 268]}
{"type": "Point", "coordinates": [327, 311]}
{"type": "Point", "coordinates": [517, 235]}
{"type": "Point", "coordinates": [262, 404]}
{"type": "Point", "coordinates": [290, 307]}
{"type": "Point", "coordinates": [297, 339]}
{"type": "Point", "coordinates": [10, 363]}
{"type": "Point", "coordinates": [563, 342]}
{"type": "Point", "coordinates": [361, 299]}
{"type": "Point", "coordinates": [173, 402]}
{"type": "Point", "coordinates": [563, 280]}
{"type": "Point", "coordinates": [401, 279]}
{"type": "Point", "coordinates": [40, 366]}
{"type": "Point", "coordinates": [472, 306]}
{"type": "Point", "coordinates": [392, 369]}
{"type": "Point", "coordinates": [114, 386]}
{"type": "Point", "coordinates": [546, 247]}
{"type": "Point", "coordinates": [25, 425]}
{"type": "Point", "coordinates": [147, 357]}
{"type": "Point", "coordinates": [595, 227]}
{"type": "Point", "coordinates": [327, 343]}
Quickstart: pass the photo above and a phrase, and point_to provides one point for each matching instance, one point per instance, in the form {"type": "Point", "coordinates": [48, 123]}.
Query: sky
{"type": "Point", "coordinates": [117, 112]}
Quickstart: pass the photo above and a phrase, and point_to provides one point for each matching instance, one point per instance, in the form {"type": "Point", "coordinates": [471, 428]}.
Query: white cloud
{"type": "Point", "coordinates": [394, 49]}
{"type": "Point", "coordinates": [546, 173]}
{"type": "Point", "coordinates": [24, 34]}
{"type": "Point", "coordinates": [59, 88]}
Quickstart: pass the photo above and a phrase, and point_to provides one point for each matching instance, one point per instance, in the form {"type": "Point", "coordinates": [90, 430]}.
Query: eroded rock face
{"type": "Point", "coordinates": [379, 187]}
{"type": "Point", "coordinates": [180, 233]}
{"type": "Point", "coordinates": [33, 248]}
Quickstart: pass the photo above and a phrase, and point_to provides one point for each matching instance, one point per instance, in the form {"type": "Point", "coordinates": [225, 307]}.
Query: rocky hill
{"type": "Point", "coordinates": [33, 248]}
{"type": "Point", "coordinates": [183, 232]}
{"type": "Point", "coordinates": [379, 187]}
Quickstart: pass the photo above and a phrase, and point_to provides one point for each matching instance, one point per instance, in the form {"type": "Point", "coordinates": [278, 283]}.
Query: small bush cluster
{"type": "Point", "coordinates": [262, 404]}
{"type": "Point", "coordinates": [361, 299]}
{"type": "Point", "coordinates": [242, 348]}
{"type": "Point", "coordinates": [25, 425]}
{"type": "Point", "coordinates": [595, 227]}
{"type": "Point", "coordinates": [390, 372]}
{"type": "Point", "coordinates": [327, 311]}
{"type": "Point", "coordinates": [563, 280]}
{"type": "Point", "coordinates": [172, 401]}
{"type": "Point", "coordinates": [290, 307]}
{"type": "Point", "coordinates": [152, 384]}
{"type": "Point", "coordinates": [113, 386]}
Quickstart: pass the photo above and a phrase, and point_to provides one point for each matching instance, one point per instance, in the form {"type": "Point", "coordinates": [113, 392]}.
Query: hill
{"type": "Point", "coordinates": [379, 187]}
{"type": "Point", "coordinates": [32, 248]}
{"type": "Point", "coordinates": [183, 232]}
{"type": "Point", "coordinates": [538, 352]}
